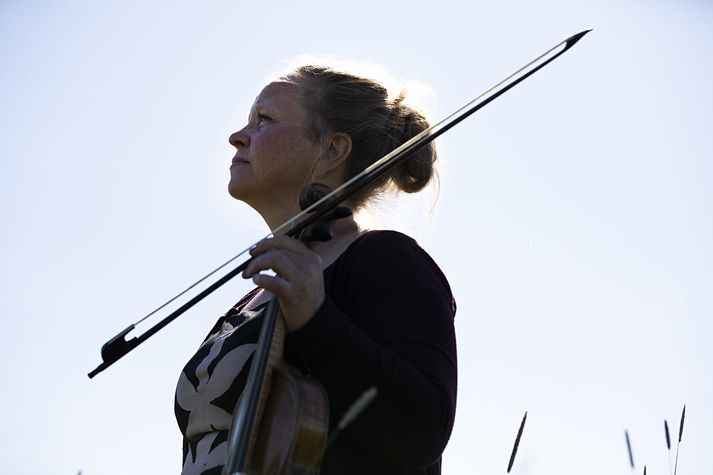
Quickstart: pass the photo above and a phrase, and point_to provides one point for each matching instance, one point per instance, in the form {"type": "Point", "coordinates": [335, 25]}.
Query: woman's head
{"type": "Point", "coordinates": [316, 123]}
{"type": "Point", "coordinates": [274, 152]}
{"type": "Point", "coordinates": [340, 102]}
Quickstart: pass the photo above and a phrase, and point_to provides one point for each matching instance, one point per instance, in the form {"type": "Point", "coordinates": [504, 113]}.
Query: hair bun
{"type": "Point", "coordinates": [414, 173]}
{"type": "Point", "coordinates": [338, 101]}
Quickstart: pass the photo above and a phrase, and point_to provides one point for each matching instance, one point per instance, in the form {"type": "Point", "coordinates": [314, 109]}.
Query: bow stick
{"type": "Point", "coordinates": [118, 346]}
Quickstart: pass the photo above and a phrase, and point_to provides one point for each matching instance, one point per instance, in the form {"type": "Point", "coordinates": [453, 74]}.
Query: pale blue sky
{"type": "Point", "coordinates": [575, 220]}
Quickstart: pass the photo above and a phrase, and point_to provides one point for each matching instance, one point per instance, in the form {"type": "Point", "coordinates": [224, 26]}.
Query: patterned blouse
{"type": "Point", "coordinates": [210, 385]}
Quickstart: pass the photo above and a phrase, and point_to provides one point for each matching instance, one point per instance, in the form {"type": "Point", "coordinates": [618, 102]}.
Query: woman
{"type": "Point", "coordinates": [364, 309]}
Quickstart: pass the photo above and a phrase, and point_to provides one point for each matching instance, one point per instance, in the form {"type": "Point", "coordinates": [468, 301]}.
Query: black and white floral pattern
{"type": "Point", "coordinates": [209, 387]}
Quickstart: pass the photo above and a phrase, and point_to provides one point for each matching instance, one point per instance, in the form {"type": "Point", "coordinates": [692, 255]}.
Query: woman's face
{"type": "Point", "coordinates": [274, 154]}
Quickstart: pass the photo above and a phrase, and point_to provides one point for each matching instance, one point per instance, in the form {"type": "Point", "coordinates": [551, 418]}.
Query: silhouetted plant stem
{"type": "Point", "coordinates": [668, 446]}
{"type": "Point", "coordinates": [680, 434]}
{"type": "Point", "coordinates": [628, 448]}
{"type": "Point", "coordinates": [517, 442]}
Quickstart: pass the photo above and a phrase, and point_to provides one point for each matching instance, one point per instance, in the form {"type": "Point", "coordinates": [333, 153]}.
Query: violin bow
{"type": "Point", "coordinates": [118, 346]}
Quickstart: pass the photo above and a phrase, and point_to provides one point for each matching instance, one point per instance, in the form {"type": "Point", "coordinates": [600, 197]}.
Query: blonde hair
{"type": "Point", "coordinates": [338, 101]}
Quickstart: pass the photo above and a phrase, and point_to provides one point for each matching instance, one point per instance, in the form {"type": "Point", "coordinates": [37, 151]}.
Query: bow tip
{"type": "Point", "coordinates": [574, 38]}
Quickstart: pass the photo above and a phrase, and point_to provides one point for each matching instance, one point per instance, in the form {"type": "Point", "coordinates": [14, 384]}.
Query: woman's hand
{"type": "Point", "coordinates": [298, 283]}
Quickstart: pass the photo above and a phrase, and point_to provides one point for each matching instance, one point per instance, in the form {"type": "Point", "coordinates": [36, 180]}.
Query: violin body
{"type": "Point", "coordinates": [294, 424]}
{"type": "Point", "coordinates": [281, 421]}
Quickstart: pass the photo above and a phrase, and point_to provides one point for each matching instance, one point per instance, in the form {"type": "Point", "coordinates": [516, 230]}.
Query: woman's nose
{"type": "Point", "coordinates": [239, 139]}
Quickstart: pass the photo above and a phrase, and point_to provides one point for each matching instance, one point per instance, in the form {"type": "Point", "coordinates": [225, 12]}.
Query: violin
{"type": "Point", "coordinates": [281, 420]}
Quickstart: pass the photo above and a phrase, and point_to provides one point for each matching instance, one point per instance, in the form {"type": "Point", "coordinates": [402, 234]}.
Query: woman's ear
{"type": "Point", "coordinates": [336, 148]}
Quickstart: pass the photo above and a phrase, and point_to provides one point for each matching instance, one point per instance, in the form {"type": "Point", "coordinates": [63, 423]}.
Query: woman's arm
{"type": "Point", "coordinates": [387, 321]}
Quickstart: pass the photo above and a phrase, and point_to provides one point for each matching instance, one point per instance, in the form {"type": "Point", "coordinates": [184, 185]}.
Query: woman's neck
{"type": "Point", "coordinates": [344, 232]}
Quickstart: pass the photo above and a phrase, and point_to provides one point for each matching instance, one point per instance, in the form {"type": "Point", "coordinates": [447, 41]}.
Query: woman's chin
{"type": "Point", "coordinates": [239, 184]}
{"type": "Point", "coordinates": [236, 190]}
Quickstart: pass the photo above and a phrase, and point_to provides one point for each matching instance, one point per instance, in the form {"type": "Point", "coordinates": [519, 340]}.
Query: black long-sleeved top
{"type": "Point", "coordinates": [387, 321]}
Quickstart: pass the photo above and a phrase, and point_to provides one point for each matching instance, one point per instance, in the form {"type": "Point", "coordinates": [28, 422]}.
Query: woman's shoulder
{"type": "Point", "coordinates": [383, 241]}
{"type": "Point", "coordinates": [380, 249]}
{"type": "Point", "coordinates": [389, 254]}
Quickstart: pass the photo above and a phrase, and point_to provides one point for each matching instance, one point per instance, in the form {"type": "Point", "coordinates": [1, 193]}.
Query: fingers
{"type": "Point", "coordinates": [282, 263]}
{"type": "Point", "coordinates": [299, 283]}
{"type": "Point", "coordinates": [273, 284]}
{"type": "Point", "coordinates": [287, 257]}
{"type": "Point", "coordinates": [279, 242]}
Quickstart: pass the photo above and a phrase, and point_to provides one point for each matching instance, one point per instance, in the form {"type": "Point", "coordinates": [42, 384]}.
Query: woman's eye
{"type": "Point", "coordinates": [262, 118]}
